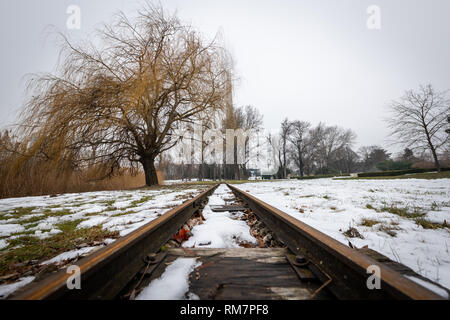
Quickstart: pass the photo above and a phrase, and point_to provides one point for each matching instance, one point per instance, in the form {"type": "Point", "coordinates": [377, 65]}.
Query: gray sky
{"type": "Point", "coordinates": [312, 60]}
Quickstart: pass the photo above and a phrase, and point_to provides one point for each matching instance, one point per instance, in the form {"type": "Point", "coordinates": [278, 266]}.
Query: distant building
{"type": "Point", "coordinates": [253, 174]}
{"type": "Point", "coordinates": [268, 175]}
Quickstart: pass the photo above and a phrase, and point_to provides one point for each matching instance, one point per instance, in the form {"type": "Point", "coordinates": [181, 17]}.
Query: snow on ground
{"type": "Point", "coordinates": [7, 289]}
{"type": "Point", "coordinates": [70, 255]}
{"type": "Point", "coordinates": [332, 206]}
{"type": "Point", "coordinates": [173, 283]}
{"type": "Point", "coordinates": [122, 211]}
{"type": "Point", "coordinates": [180, 181]}
{"type": "Point", "coordinates": [8, 229]}
{"type": "Point", "coordinates": [220, 229]}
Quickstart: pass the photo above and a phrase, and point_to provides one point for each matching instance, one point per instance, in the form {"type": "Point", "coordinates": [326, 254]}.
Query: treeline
{"type": "Point", "coordinates": [305, 150]}
{"type": "Point", "coordinates": [245, 118]}
{"type": "Point", "coordinates": [301, 149]}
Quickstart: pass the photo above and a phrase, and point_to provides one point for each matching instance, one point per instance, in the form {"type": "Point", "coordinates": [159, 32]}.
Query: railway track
{"type": "Point", "coordinates": [311, 266]}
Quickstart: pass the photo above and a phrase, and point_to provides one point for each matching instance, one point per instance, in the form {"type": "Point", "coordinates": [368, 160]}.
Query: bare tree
{"type": "Point", "coordinates": [285, 132]}
{"type": "Point", "coordinates": [250, 120]}
{"type": "Point", "coordinates": [418, 120]}
{"type": "Point", "coordinates": [329, 142]}
{"type": "Point", "coordinates": [122, 103]}
{"type": "Point", "coordinates": [301, 143]}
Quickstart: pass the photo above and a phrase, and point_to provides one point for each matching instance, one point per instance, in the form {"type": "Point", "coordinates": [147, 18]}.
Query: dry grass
{"type": "Point", "coordinates": [369, 222]}
{"type": "Point", "coordinates": [38, 181]}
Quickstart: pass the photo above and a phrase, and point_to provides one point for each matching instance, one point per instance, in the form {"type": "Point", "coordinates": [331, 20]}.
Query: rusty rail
{"type": "Point", "coordinates": [329, 258]}
{"type": "Point", "coordinates": [107, 271]}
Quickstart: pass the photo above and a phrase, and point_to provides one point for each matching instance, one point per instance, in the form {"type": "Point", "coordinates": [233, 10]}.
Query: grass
{"type": "Point", "coordinates": [416, 215]}
{"type": "Point", "coordinates": [17, 213]}
{"type": "Point", "coordinates": [22, 250]}
{"type": "Point", "coordinates": [435, 206]}
{"type": "Point", "coordinates": [403, 212]}
{"type": "Point", "coordinates": [369, 222]}
{"type": "Point", "coordinates": [30, 226]}
{"type": "Point", "coordinates": [57, 213]}
{"type": "Point", "coordinates": [427, 176]}
{"type": "Point", "coordinates": [110, 209]}
{"type": "Point", "coordinates": [109, 203]}
{"type": "Point", "coordinates": [93, 214]}
{"type": "Point", "coordinates": [426, 224]}
{"type": "Point", "coordinates": [20, 213]}
{"type": "Point", "coordinates": [141, 200]}
{"type": "Point", "coordinates": [123, 213]}
{"type": "Point", "coordinates": [389, 229]}
{"type": "Point", "coordinates": [69, 226]}
{"type": "Point", "coordinates": [32, 220]}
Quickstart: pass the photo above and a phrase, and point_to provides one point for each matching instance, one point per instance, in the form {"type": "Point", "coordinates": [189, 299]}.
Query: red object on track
{"type": "Point", "coordinates": [181, 236]}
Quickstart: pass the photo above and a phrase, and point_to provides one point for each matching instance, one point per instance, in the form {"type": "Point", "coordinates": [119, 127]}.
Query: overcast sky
{"type": "Point", "coordinates": [312, 60]}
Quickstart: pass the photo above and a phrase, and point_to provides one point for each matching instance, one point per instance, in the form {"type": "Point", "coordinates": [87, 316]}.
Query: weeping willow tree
{"type": "Point", "coordinates": [120, 103]}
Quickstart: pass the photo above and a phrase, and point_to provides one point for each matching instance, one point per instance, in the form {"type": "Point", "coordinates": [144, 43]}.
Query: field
{"type": "Point", "coordinates": [425, 175]}
{"type": "Point", "coordinates": [41, 233]}
{"type": "Point", "coordinates": [404, 219]}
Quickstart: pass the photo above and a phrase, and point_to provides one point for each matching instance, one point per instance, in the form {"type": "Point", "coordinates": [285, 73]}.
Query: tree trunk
{"type": "Point", "coordinates": [300, 166]}
{"type": "Point", "coordinates": [151, 178]}
{"type": "Point", "coordinates": [201, 172]}
{"type": "Point", "coordinates": [436, 160]}
{"type": "Point", "coordinates": [235, 156]}
{"type": "Point", "coordinates": [433, 151]}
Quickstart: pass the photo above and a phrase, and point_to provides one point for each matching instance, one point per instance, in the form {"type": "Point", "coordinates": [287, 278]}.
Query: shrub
{"type": "Point", "coordinates": [393, 165]}
{"type": "Point", "coordinates": [321, 176]}
{"type": "Point", "coordinates": [397, 172]}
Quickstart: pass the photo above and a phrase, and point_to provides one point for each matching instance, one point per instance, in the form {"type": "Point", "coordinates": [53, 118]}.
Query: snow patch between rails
{"type": "Point", "coordinates": [7, 289]}
{"type": "Point", "coordinates": [173, 283]}
{"type": "Point", "coordinates": [219, 230]}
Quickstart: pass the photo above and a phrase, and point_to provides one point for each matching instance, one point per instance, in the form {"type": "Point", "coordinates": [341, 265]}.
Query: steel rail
{"type": "Point", "coordinates": [107, 271]}
{"type": "Point", "coordinates": [346, 266]}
